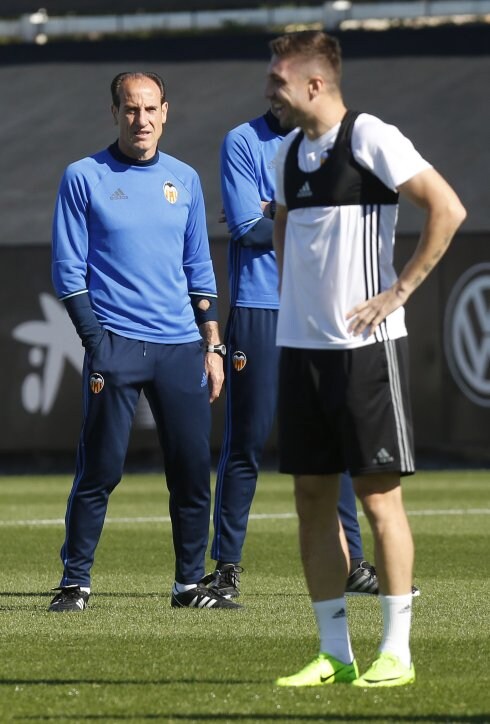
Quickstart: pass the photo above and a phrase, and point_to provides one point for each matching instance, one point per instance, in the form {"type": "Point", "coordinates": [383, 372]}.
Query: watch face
{"type": "Point", "coordinates": [218, 348]}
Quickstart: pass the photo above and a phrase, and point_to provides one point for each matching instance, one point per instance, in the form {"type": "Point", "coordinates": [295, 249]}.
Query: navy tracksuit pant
{"type": "Point", "coordinates": [251, 401]}
{"type": "Point", "coordinates": [173, 380]}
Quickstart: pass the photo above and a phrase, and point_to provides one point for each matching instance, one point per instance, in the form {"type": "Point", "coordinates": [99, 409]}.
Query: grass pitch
{"type": "Point", "coordinates": [130, 657]}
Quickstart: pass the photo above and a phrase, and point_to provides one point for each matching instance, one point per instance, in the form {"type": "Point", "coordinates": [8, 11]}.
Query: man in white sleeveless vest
{"type": "Point", "coordinates": [343, 389]}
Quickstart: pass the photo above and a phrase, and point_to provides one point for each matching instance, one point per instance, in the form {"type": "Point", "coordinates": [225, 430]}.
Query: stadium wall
{"type": "Point", "coordinates": [450, 358]}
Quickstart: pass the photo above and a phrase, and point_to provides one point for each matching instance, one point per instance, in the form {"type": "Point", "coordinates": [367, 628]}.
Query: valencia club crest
{"type": "Point", "coordinates": [96, 383]}
{"type": "Point", "coordinates": [239, 360]}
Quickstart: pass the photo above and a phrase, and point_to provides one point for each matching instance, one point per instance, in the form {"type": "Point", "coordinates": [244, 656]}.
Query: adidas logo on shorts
{"type": "Point", "coordinates": [383, 457]}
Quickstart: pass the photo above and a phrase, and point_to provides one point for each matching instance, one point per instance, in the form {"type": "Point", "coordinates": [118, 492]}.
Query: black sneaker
{"type": "Point", "coordinates": [227, 579]}
{"type": "Point", "coordinates": [69, 598]}
{"type": "Point", "coordinates": [364, 582]}
{"type": "Point", "coordinates": [201, 597]}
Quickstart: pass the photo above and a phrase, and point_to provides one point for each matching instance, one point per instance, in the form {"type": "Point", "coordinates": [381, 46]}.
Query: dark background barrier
{"type": "Point", "coordinates": [41, 359]}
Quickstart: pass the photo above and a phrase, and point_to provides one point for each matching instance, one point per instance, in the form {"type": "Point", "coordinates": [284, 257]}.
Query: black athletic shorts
{"type": "Point", "coordinates": [345, 410]}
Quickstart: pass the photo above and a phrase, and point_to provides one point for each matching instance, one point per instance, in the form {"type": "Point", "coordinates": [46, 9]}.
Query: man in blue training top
{"type": "Point", "coordinates": [252, 363]}
{"type": "Point", "coordinates": [131, 263]}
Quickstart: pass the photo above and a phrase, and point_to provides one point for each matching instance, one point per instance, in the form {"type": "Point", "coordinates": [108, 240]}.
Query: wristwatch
{"type": "Point", "coordinates": [218, 348]}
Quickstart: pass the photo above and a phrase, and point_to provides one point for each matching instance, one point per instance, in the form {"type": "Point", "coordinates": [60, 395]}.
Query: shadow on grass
{"type": "Point", "coordinates": [216, 717]}
{"type": "Point", "coordinates": [48, 594]}
{"type": "Point", "coordinates": [147, 594]}
{"type": "Point", "coordinates": [12, 595]}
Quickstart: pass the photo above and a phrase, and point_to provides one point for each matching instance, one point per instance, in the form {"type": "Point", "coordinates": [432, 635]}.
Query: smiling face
{"type": "Point", "coordinates": [140, 116]}
{"type": "Point", "coordinates": [287, 90]}
{"type": "Point", "coordinates": [302, 87]}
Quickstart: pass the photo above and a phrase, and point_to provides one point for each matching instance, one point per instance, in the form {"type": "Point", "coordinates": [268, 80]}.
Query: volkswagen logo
{"type": "Point", "coordinates": [467, 334]}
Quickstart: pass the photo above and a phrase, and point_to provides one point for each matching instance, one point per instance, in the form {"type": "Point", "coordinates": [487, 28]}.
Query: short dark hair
{"type": "Point", "coordinates": [121, 77]}
{"type": "Point", "coordinates": [310, 44]}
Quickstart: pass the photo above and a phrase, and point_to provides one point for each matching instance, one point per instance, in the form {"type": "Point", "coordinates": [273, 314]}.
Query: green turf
{"type": "Point", "coordinates": [130, 657]}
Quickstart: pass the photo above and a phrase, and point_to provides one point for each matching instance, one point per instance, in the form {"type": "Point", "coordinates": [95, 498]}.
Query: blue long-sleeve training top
{"type": "Point", "coordinates": [247, 178]}
{"type": "Point", "coordinates": [133, 236]}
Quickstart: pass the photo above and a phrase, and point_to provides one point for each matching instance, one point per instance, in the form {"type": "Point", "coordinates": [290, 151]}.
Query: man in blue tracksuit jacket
{"type": "Point", "coordinates": [131, 263]}
{"type": "Point", "coordinates": [252, 362]}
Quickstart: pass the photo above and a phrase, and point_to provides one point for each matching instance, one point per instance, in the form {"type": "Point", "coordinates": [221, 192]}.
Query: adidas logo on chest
{"type": "Point", "coordinates": [118, 195]}
{"type": "Point", "coordinates": [305, 191]}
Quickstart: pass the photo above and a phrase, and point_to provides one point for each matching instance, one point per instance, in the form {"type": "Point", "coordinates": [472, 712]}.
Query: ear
{"type": "Point", "coordinates": [315, 85]}
{"type": "Point", "coordinates": [164, 111]}
{"type": "Point", "coordinates": [115, 113]}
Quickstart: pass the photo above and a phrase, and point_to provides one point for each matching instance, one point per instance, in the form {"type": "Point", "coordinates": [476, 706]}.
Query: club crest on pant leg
{"type": "Point", "coordinates": [96, 382]}
{"type": "Point", "coordinates": [239, 360]}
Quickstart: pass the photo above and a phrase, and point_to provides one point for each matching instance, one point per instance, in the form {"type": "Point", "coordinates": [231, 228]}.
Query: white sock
{"type": "Point", "coordinates": [331, 617]}
{"type": "Point", "coordinates": [181, 587]}
{"type": "Point", "coordinates": [397, 617]}
{"type": "Point", "coordinates": [85, 589]}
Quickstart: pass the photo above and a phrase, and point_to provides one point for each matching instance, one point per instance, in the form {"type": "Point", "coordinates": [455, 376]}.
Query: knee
{"type": "Point", "coordinates": [379, 498]}
{"type": "Point", "coordinates": [315, 493]}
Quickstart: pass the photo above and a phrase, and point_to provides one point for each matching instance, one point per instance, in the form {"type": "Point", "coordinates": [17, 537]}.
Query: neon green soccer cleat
{"type": "Point", "coordinates": [386, 670]}
{"type": "Point", "coordinates": [322, 670]}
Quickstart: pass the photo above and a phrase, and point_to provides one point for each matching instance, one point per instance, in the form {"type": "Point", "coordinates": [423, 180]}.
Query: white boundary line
{"type": "Point", "coordinates": [253, 516]}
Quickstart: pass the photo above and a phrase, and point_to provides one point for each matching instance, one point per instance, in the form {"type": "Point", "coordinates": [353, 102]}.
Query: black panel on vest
{"type": "Point", "coordinates": [340, 180]}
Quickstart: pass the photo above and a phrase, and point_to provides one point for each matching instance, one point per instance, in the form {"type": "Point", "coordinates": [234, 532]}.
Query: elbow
{"type": "Point", "coordinates": [462, 214]}
{"type": "Point", "coordinates": [458, 212]}
{"type": "Point", "coordinates": [455, 214]}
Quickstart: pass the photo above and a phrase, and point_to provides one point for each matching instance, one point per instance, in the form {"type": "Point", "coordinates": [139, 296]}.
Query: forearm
{"type": "Point", "coordinates": [444, 215]}
{"type": "Point", "coordinates": [259, 235]}
{"type": "Point", "coordinates": [213, 361]}
{"type": "Point", "coordinates": [210, 332]}
{"type": "Point", "coordinates": [84, 320]}
{"type": "Point", "coordinates": [442, 221]}
{"type": "Point", "coordinates": [433, 243]}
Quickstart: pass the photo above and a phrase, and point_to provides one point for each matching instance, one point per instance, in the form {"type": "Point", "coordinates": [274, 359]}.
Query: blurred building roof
{"type": "Point", "coordinates": [433, 85]}
{"type": "Point", "coordinates": [13, 8]}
